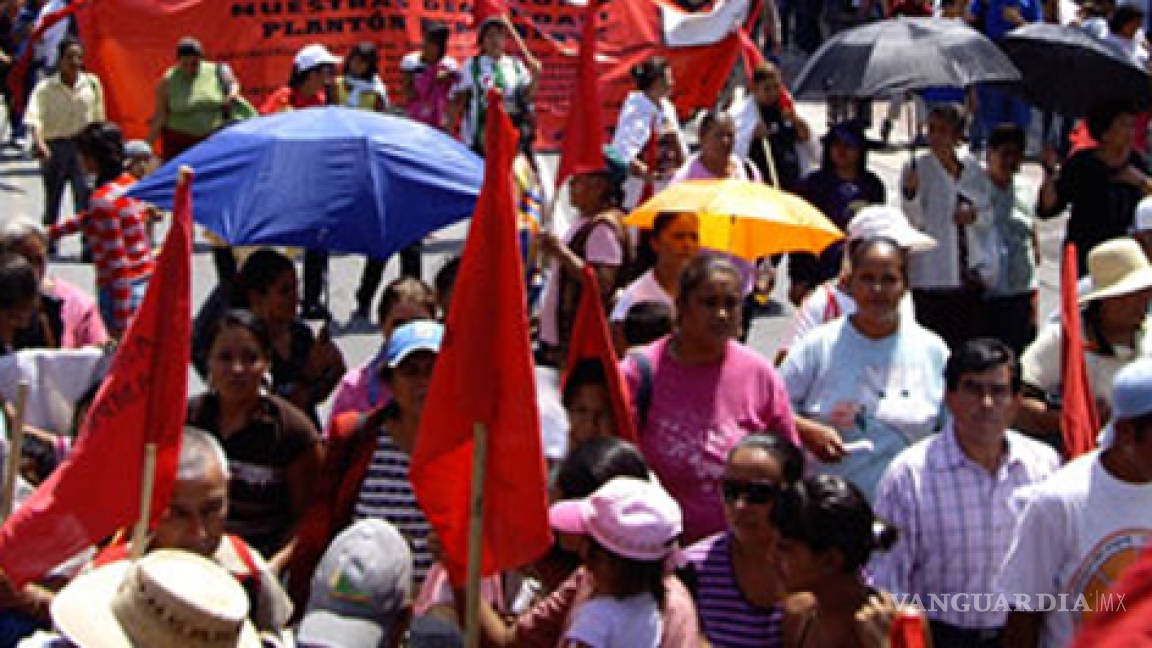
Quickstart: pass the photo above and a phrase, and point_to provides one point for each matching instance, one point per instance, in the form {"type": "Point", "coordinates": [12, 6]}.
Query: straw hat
{"type": "Point", "coordinates": [167, 598]}
{"type": "Point", "coordinates": [1118, 267]}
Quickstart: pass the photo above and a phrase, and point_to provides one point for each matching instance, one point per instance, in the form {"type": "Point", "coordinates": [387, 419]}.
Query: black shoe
{"type": "Point", "coordinates": [316, 312]}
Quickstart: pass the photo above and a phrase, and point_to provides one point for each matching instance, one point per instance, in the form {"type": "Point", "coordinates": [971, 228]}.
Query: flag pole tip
{"type": "Point", "coordinates": [185, 173]}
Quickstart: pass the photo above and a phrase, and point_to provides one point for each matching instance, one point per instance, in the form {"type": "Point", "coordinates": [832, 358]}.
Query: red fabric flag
{"type": "Point", "coordinates": [582, 149]}
{"type": "Point", "coordinates": [485, 9]}
{"type": "Point", "coordinates": [1123, 617]}
{"type": "Point", "coordinates": [1078, 420]}
{"type": "Point", "coordinates": [592, 339]}
{"type": "Point", "coordinates": [484, 374]}
{"type": "Point", "coordinates": [96, 491]}
{"type": "Point", "coordinates": [907, 630]}
{"type": "Point", "coordinates": [20, 69]}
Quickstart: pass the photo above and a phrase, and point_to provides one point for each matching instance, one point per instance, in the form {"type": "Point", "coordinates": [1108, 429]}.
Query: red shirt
{"type": "Point", "coordinates": [287, 98]}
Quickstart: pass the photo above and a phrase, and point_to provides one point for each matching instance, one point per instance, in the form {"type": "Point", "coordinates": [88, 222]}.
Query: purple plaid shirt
{"type": "Point", "coordinates": [956, 522]}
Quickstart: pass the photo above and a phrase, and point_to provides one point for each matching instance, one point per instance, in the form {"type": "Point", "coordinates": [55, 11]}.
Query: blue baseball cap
{"type": "Point", "coordinates": [1132, 390]}
{"type": "Point", "coordinates": [420, 335]}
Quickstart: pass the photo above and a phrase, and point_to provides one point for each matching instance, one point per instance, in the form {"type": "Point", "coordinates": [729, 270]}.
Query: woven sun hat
{"type": "Point", "coordinates": [1117, 267]}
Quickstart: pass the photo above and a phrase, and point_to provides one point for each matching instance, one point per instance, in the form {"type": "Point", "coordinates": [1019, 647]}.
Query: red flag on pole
{"type": "Point", "coordinates": [582, 150]}
{"type": "Point", "coordinates": [1078, 420]}
{"type": "Point", "coordinates": [1122, 617]}
{"type": "Point", "coordinates": [96, 491]}
{"type": "Point", "coordinates": [907, 630]}
{"type": "Point", "coordinates": [484, 375]}
{"type": "Point", "coordinates": [20, 69]}
{"type": "Point", "coordinates": [484, 9]}
{"type": "Point", "coordinates": [592, 339]}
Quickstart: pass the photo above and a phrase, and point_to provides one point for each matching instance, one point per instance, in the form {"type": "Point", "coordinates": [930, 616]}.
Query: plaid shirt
{"type": "Point", "coordinates": [956, 522]}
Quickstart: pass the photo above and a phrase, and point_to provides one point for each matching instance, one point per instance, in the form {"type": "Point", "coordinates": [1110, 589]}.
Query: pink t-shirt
{"type": "Point", "coordinates": [696, 414]}
{"type": "Point", "coordinates": [82, 323]}
{"type": "Point", "coordinates": [360, 390]}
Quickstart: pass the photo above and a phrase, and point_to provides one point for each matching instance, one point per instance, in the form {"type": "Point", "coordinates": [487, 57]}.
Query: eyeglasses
{"type": "Point", "coordinates": [760, 492]}
{"type": "Point", "coordinates": [998, 391]}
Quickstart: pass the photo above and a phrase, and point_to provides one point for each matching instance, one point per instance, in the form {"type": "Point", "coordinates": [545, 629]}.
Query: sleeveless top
{"type": "Point", "coordinates": [195, 104]}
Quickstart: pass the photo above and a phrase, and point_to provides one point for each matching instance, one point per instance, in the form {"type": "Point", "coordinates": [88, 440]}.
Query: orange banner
{"type": "Point", "coordinates": [132, 42]}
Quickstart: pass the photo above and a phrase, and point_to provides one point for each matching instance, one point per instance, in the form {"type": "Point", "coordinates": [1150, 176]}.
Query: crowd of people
{"type": "Point", "coordinates": [900, 445]}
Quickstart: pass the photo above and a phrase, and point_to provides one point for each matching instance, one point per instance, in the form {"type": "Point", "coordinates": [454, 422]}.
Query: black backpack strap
{"type": "Point", "coordinates": [644, 391]}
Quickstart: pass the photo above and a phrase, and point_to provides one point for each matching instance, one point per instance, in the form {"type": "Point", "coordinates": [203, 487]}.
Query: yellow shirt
{"type": "Point", "coordinates": [57, 110]}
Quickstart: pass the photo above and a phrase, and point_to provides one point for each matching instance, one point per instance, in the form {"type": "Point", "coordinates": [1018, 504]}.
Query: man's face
{"type": "Point", "coordinates": [983, 405]}
{"type": "Point", "coordinates": [195, 517]}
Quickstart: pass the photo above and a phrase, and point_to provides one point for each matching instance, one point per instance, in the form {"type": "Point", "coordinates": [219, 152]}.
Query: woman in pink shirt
{"type": "Point", "coordinates": [698, 392]}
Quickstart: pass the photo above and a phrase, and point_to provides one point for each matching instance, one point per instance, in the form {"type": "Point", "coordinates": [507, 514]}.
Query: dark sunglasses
{"type": "Point", "coordinates": [752, 492]}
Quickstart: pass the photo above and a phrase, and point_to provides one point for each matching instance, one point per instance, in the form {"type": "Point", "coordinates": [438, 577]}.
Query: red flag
{"type": "Point", "coordinates": [484, 9]}
{"type": "Point", "coordinates": [1123, 617]}
{"type": "Point", "coordinates": [20, 69]}
{"type": "Point", "coordinates": [96, 491]}
{"type": "Point", "coordinates": [592, 339]}
{"type": "Point", "coordinates": [1078, 420]}
{"type": "Point", "coordinates": [484, 374]}
{"type": "Point", "coordinates": [582, 148]}
{"type": "Point", "coordinates": [907, 630]}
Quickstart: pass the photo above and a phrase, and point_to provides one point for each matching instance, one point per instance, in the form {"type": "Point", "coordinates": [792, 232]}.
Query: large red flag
{"type": "Point", "coordinates": [484, 9]}
{"type": "Point", "coordinates": [592, 339]}
{"type": "Point", "coordinates": [96, 491]}
{"type": "Point", "coordinates": [1122, 617]}
{"type": "Point", "coordinates": [484, 374]}
{"type": "Point", "coordinates": [582, 149]}
{"type": "Point", "coordinates": [1078, 420]}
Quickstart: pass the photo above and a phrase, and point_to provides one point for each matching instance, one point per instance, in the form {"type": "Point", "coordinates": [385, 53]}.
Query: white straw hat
{"type": "Point", "coordinates": [1118, 267]}
{"type": "Point", "coordinates": [167, 598]}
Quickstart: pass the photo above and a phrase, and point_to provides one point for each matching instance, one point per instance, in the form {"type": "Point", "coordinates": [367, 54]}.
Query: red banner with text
{"type": "Point", "coordinates": [130, 43]}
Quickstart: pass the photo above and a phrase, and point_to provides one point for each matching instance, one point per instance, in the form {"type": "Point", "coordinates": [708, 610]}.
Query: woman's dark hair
{"type": "Point", "coordinates": [406, 289]}
{"type": "Point", "coordinates": [633, 577]}
{"type": "Point", "coordinates": [826, 512]}
{"type": "Point", "coordinates": [589, 371]}
{"type": "Point", "coordinates": [18, 283]}
{"type": "Point", "coordinates": [1006, 134]}
{"type": "Point", "coordinates": [861, 247]}
{"type": "Point", "coordinates": [645, 257]}
{"type": "Point", "coordinates": [980, 355]}
{"type": "Point", "coordinates": [1102, 117]}
{"type": "Point", "coordinates": [66, 43]}
{"type": "Point", "coordinates": [487, 25]}
{"type": "Point", "coordinates": [104, 143]}
{"type": "Point", "coordinates": [595, 462]}
{"type": "Point", "coordinates": [437, 33]}
{"type": "Point", "coordinates": [790, 458]}
{"type": "Point", "coordinates": [1123, 15]}
{"type": "Point", "coordinates": [837, 133]}
{"type": "Point", "coordinates": [648, 72]}
{"type": "Point", "coordinates": [765, 70]}
{"type": "Point", "coordinates": [445, 280]}
{"type": "Point", "coordinates": [951, 113]}
{"type": "Point", "coordinates": [365, 50]}
{"type": "Point", "coordinates": [260, 270]}
{"type": "Point", "coordinates": [711, 118]}
{"type": "Point", "coordinates": [245, 319]}
{"type": "Point", "coordinates": [700, 269]}
{"type": "Point", "coordinates": [1094, 328]}
{"type": "Point", "coordinates": [647, 321]}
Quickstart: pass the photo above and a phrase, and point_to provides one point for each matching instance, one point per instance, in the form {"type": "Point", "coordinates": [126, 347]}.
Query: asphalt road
{"type": "Point", "coordinates": [21, 193]}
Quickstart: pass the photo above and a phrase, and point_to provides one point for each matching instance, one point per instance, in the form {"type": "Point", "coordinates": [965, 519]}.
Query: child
{"type": "Point", "coordinates": [627, 529]}
{"type": "Point", "coordinates": [646, 322]}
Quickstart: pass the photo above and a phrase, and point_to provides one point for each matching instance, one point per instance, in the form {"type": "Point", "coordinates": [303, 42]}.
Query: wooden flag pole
{"type": "Point", "coordinates": [15, 449]}
{"type": "Point", "coordinates": [147, 484]}
{"type": "Point", "coordinates": [521, 44]}
{"type": "Point", "coordinates": [773, 176]}
{"type": "Point", "coordinates": [476, 534]}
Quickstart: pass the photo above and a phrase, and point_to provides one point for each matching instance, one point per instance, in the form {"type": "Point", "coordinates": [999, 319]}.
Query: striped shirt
{"type": "Point", "coordinates": [387, 494]}
{"type": "Point", "coordinates": [956, 521]}
{"type": "Point", "coordinates": [116, 228]}
{"type": "Point", "coordinates": [728, 619]}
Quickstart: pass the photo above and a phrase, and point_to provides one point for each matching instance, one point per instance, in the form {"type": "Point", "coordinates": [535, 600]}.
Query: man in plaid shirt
{"type": "Point", "coordinates": [950, 496]}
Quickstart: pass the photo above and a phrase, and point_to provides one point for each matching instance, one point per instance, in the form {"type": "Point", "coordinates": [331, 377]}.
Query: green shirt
{"type": "Point", "coordinates": [195, 104]}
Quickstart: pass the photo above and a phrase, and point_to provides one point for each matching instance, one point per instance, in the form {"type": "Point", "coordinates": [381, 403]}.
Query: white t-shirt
{"type": "Point", "coordinates": [1075, 533]}
{"type": "Point", "coordinates": [824, 304]}
{"type": "Point", "coordinates": [1042, 369]}
{"type": "Point", "coordinates": [514, 74]}
{"type": "Point", "coordinates": [644, 289]}
{"type": "Point", "coordinates": [634, 125]}
{"type": "Point", "coordinates": [607, 622]}
{"type": "Point", "coordinates": [602, 248]}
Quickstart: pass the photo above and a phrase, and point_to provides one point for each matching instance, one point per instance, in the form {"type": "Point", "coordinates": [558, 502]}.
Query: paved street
{"type": "Point", "coordinates": [20, 193]}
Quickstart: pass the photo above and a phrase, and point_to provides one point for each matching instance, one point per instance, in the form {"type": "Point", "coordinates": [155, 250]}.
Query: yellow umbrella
{"type": "Point", "coordinates": [746, 219]}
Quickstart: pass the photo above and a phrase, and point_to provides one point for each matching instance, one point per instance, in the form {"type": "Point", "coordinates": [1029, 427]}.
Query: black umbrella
{"type": "Point", "coordinates": [901, 54]}
{"type": "Point", "coordinates": [1069, 71]}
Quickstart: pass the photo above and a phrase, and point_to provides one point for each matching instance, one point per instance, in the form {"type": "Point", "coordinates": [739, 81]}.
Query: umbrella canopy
{"type": "Point", "coordinates": [900, 54]}
{"type": "Point", "coordinates": [746, 219]}
{"type": "Point", "coordinates": [325, 178]}
{"type": "Point", "coordinates": [1069, 71]}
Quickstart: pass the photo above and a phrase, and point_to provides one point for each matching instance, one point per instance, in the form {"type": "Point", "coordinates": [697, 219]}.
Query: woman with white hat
{"type": "Point", "coordinates": [1115, 331]}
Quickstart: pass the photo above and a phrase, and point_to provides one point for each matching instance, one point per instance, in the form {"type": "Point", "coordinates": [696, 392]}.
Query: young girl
{"type": "Point", "coordinates": [360, 85]}
{"type": "Point", "coordinates": [625, 532]}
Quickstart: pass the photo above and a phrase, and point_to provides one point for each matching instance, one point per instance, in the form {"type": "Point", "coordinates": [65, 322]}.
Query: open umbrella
{"type": "Point", "coordinates": [746, 219]}
{"type": "Point", "coordinates": [325, 178]}
{"type": "Point", "coordinates": [1069, 71]}
{"type": "Point", "coordinates": [900, 54]}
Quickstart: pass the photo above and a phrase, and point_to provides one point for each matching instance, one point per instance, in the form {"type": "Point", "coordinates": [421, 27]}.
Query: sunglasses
{"type": "Point", "coordinates": [752, 492]}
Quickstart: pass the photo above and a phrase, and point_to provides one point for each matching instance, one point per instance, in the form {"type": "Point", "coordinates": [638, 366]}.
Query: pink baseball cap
{"type": "Point", "coordinates": [629, 517]}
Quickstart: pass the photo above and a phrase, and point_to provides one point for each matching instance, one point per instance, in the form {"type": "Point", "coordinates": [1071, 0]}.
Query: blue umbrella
{"type": "Point", "coordinates": [325, 178]}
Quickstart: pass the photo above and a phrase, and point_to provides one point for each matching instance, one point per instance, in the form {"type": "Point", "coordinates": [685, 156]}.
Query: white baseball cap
{"type": "Point", "coordinates": [313, 55]}
{"type": "Point", "coordinates": [889, 222]}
